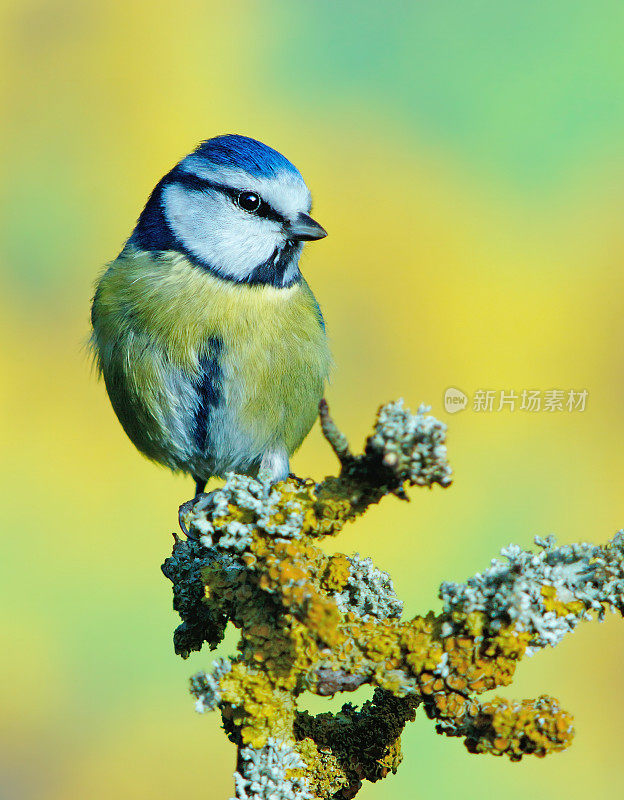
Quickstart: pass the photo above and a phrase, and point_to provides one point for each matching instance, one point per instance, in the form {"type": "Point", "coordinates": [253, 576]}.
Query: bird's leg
{"type": "Point", "coordinates": [274, 466]}
{"type": "Point", "coordinates": [200, 485]}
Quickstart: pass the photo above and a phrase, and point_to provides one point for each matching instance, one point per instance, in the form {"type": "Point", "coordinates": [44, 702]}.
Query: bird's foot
{"type": "Point", "coordinates": [184, 513]}
{"type": "Point", "coordinates": [300, 482]}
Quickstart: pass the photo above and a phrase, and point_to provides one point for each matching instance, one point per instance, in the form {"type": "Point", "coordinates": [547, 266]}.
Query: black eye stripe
{"type": "Point", "coordinates": [268, 212]}
{"type": "Point", "coordinates": [190, 181]}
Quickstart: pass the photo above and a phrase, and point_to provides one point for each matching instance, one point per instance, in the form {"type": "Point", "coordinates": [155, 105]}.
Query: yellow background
{"type": "Point", "coordinates": [465, 158]}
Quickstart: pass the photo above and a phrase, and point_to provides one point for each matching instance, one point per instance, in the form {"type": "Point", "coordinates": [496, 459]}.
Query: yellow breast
{"type": "Point", "coordinates": [274, 352]}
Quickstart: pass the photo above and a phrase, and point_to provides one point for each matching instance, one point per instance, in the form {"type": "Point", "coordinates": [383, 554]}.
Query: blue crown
{"type": "Point", "coordinates": [241, 152]}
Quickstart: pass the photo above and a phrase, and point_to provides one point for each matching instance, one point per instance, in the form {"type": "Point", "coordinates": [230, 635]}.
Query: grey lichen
{"type": "Point", "coordinates": [413, 445]}
{"type": "Point", "coordinates": [209, 519]}
{"type": "Point", "coordinates": [369, 591]}
{"type": "Point", "coordinates": [582, 578]}
{"type": "Point", "coordinates": [205, 685]}
{"type": "Point", "coordinates": [270, 773]}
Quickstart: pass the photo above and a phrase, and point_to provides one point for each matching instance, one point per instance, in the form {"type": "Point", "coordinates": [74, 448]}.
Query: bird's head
{"type": "Point", "coordinates": [235, 207]}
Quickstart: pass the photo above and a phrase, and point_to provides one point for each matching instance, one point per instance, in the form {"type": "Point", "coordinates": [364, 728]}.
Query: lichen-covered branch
{"type": "Point", "coordinates": [327, 624]}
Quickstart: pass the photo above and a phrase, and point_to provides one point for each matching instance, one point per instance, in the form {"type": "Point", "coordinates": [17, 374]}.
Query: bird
{"type": "Point", "coordinates": [211, 344]}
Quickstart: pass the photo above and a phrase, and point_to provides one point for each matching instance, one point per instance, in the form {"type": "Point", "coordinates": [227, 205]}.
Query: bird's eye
{"type": "Point", "coordinates": [249, 201]}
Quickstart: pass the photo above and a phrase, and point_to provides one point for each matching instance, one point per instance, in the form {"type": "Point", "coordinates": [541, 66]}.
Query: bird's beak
{"type": "Point", "coordinates": [305, 229]}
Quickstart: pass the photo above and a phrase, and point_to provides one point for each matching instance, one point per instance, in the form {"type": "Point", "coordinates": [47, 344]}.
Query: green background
{"type": "Point", "coordinates": [466, 159]}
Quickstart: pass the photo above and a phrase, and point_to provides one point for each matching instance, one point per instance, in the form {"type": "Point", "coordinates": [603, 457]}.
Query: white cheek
{"type": "Point", "coordinates": [215, 231]}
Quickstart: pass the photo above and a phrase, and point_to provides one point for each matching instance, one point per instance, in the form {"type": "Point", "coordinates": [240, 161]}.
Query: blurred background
{"type": "Point", "coordinates": [466, 158]}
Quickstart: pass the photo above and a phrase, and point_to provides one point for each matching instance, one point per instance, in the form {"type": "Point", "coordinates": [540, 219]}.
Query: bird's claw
{"type": "Point", "coordinates": [183, 512]}
{"type": "Point", "coordinates": [300, 482]}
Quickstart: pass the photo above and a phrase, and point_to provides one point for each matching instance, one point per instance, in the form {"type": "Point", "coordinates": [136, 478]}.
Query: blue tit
{"type": "Point", "coordinates": [211, 344]}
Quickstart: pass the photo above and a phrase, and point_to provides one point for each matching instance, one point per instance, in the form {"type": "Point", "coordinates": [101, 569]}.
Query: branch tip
{"type": "Point", "coordinates": [337, 440]}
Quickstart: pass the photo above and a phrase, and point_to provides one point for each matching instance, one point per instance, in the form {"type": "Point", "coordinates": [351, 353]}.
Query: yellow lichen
{"type": "Point", "coordinates": [538, 727]}
{"type": "Point", "coordinates": [336, 573]}
{"type": "Point", "coordinates": [552, 602]}
{"type": "Point", "coordinates": [252, 704]}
